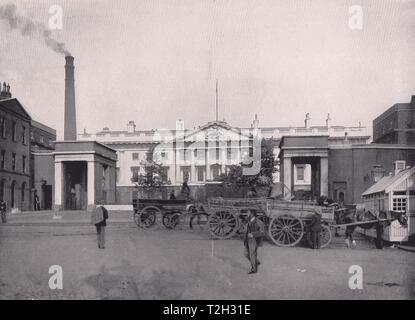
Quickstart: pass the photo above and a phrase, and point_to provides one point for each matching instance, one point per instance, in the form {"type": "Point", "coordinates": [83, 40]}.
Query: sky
{"type": "Point", "coordinates": [156, 61]}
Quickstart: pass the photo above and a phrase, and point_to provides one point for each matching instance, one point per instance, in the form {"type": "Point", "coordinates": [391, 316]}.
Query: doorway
{"type": "Point", "coordinates": [75, 187]}
{"type": "Point", "coordinates": [47, 197]}
{"type": "Point", "coordinates": [13, 195]}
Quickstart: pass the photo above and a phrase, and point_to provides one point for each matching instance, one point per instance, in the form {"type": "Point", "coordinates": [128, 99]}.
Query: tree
{"type": "Point", "coordinates": [155, 174]}
{"type": "Point", "coordinates": [236, 179]}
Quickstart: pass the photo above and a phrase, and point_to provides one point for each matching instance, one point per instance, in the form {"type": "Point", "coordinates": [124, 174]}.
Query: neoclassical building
{"type": "Point", "coordinates": [201, 154]}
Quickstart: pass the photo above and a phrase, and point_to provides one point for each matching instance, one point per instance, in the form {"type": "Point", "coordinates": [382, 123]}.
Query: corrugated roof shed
{"type": "Point", "coordinates": [387, 181]}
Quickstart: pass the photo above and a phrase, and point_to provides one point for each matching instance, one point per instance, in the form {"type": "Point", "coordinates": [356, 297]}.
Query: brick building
{"type": "Point", "coordinates": [396, 125]}
{"type": "Point", "coordinates": [14, 152]}
{"type": "Point", "coordinates": [42, 141]}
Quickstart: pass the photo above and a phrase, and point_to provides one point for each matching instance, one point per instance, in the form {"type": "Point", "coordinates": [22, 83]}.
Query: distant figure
{"type": "Point", "coordinates": [315, 229]}
{"type": "Point", "coordinates": [98, 218]}
{"type": "Point", "coordinates": [253, 239]}
{"type": "Point", "coordinates": [172, 195]}
{"type": "Point", "coordinates": [185, 191]}
{"type": "Point", "coordinates": [37, 203]}
{"type": "Point", "coordinates": [379, 234]}
{"type": "Point", "coordinates": [3, 208]}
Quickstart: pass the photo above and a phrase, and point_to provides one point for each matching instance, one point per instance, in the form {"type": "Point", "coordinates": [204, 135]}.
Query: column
{"type": "Point", "coordinates": [287, 175]}
{"type": "Point", "coordinates": [192, 165]}
{"type": "Point", "coordinates": [91, 185]}
{"type": "Point", "coordinates": [58, 186]}
{"type": "Point", "coordinates": [111, 184]}
{"type": "Point", "coordinates": [324, 176]}
{"type": "Point", "coordinates": [207, 162]}
{"type": "Point", "coordinates": [222, 159]}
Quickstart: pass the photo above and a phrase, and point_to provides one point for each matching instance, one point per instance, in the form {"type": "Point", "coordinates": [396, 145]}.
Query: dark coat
{"type": "Point", "coordinates": [99, 216]}
{"type": "Point", "coordinates": [256, 228]}
{"type": "Point", "coordinates": [315, 224]}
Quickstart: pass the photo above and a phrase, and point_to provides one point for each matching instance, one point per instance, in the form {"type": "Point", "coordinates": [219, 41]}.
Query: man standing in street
{"type": "Point", "coordinates": [3, 208]}
{"type": "Point", "coordinates": [315, 228]}
{"type": "Point", "coordinates": [98, 218]}
{"type": "Point", "coordinates": [253, 238]}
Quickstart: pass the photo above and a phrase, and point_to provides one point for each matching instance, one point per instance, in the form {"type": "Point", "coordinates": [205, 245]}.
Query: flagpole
{"type": "Point", "coordinates": [216, 99]}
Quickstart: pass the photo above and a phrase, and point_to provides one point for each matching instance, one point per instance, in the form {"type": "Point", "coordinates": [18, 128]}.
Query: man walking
{"type": "Point", "coordinates": [3, 208]}
{"type": "Point", "coordinates": [98, 218]}
{"type": "Point", "coordinates": [253, 238]}
{"type": "Point", "coordinates": [315, 229]}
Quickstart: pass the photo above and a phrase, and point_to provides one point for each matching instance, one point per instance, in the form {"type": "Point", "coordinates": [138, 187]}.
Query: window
{"type": "Point", "coordinates": [399, 204]}
{"type": "Point", "coordinates": [23, 191]}
{"type": "Point", "coordinates": [149, 156]}
{"type": "Point", "coordinates": [24, 135]}
{"type": "Point", "coordinates": [3, 127]}
{"type": "Point", "coordinates": [41, 139]}
{"type": "Point", "coordinates": [215, 171]}
{"type": "Point", "coordinates": [200, 154]}
{"type": "Point", "coordinates": [200, 174]}
{"type": "Point", "coordinates": [24, 164]}
{"type": "Point", "coordinates": [185, 174]}
{"type": "Point", "coordinates": [13, 161]}
{"type": "Point", "coordinates": [118, 174]}
{"type": "Point", "coordinates": [32, 135]}
{"type": "Point", "coordinates": [14, 131]}
{"type": "Point", "coordinates": [164, 174]}
{"type": "Point", "coordinates": [135, 171]}
{"type": "Point", "coordinates": [2, 159]}
{"type": "Point", "coordinates": [300, 173]}
{"type": "Point", "coordinates": [135, 156]}
{"type": "Point", "coordinates": [50, 141]}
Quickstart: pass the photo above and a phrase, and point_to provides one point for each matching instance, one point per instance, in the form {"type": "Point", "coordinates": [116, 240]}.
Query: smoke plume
{"type": "Point", "coordinates": [29, 28]}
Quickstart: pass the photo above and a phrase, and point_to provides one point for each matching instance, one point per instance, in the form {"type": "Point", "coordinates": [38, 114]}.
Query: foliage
{"type": "Point", "coordinates": [155, 174]}
{"type": "Point", "coordinates": [235, 177]}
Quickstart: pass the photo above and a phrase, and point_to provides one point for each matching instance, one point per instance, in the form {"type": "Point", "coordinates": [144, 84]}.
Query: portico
{"type": "Point", "coordinates": [300, 150]}
{"type": "Point", "coordinates": [85, 175]}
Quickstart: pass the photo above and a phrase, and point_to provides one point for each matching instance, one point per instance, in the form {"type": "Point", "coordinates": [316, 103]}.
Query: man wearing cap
{"type": "Point", "coordinates": [253, 238]}
{"type": "Point", "coordinates": [315, 228]}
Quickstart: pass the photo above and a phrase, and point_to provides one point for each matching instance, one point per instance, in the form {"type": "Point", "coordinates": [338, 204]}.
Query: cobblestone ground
{"type": "Point", "coordinates": [186, 264]}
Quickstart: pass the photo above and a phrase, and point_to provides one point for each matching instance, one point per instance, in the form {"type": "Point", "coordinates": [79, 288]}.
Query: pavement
{"type": "Point", "coordinates": [63, 217]}
{"type": "Point", "coordinates": [185, 264]}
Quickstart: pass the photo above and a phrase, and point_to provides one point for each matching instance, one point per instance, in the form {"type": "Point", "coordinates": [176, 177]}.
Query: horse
{"type": "Point", "coordinates": [351, 215]}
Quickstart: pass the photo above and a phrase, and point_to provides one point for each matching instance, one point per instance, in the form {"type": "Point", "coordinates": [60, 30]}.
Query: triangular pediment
{"type": "Point", "coordinates": [13, 105]}
{"type": "Point", "coordinates": [215, 130]}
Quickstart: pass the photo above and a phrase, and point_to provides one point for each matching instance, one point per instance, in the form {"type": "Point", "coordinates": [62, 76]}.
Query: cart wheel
{"type": "Point", "coordinates": [286, 230]}
{"type": "Point", "coordinates": [146, 218]}
{"type": "Point", "coordinates": [223, 224]}
{"type": "Point", "coordinates": [171, 220]}
{"type": "Point", "coordinates": [325, 237]}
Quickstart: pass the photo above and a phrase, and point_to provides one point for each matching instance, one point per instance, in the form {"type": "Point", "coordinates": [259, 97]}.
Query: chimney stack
{"type": "Point", "coordinates": [328, 120]}
{"type": "Point", "coordinates": [70, 111]}
{"type": "Point", "coordinates": [307, 120]}
{"type": "Point", "coordinates": [5, 91]}
{"type": "Point", "coordinates": [256, 122]}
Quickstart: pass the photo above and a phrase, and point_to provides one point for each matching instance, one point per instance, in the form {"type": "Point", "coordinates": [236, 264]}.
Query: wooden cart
{"type": "Point", "coordinates": [286, 221]}
{"type": "Point", "coordinates": [147, 212]}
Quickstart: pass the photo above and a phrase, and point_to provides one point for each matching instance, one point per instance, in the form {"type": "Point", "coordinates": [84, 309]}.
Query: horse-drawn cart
{"type": "Point", "coordinates": [286, 221]}
{"type": "Point", "coordinates": [147, 212]}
